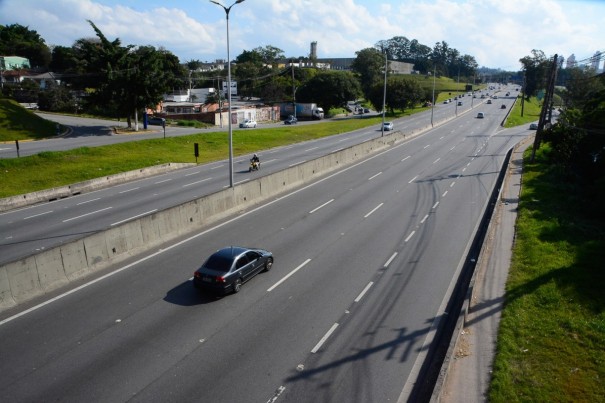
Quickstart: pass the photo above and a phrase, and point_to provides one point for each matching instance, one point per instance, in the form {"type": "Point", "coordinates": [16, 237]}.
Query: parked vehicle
{"type": "Point", "coordinates": [304, 111]}
{"type": "Point", "coordinates": [228, 268]}
{"type": "Point", "coordinates": [291, 120]}
{"type": "Point", "coordinates": [247, 123]}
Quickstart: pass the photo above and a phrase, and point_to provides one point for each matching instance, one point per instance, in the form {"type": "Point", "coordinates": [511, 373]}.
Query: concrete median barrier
{"type": "Point", "coordinates": [33, 276]}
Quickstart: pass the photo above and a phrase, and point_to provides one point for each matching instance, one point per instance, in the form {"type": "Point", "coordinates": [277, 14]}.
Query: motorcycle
{"type": "Point", "coordinates": [254, 166]}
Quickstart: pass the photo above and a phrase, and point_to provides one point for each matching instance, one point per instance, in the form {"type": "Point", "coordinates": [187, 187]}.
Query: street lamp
{"type": "Point", "coordinates": [227, 9]}
{"type": "Point", "coordinates": [384, 91]}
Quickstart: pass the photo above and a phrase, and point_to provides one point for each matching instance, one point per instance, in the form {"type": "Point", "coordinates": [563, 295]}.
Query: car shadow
{"type": "Point", "coordinates": [185, 294]}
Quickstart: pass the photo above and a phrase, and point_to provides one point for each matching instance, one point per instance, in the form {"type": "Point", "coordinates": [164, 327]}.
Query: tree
{"type": "Point", "coordinates": [369, 64]}
{"type": "Point", "coordinates": [330, 89]}
{"type": "Point", "coordinates": [401, 94]}
{"type": "Point", "coordinates": [20, 41]}
{"type": "Point", "coordinates": [536, 68]}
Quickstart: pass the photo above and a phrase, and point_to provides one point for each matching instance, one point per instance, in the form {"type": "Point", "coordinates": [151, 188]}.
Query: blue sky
{"type": "Point", "coordinates": [496, 32]}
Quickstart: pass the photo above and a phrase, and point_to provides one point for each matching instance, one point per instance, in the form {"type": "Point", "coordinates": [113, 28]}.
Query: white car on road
{"type": "Point", "coordinates": [247, 123]}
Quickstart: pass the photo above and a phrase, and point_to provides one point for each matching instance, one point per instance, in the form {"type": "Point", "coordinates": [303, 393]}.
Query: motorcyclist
{"type": "Point", "coordinates": [255, 159]}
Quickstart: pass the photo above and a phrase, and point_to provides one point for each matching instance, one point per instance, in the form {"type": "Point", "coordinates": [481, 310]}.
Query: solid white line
{"type": "Point", "coordinates": [375, 208]}
{"type": "Point", "coordinates": [129, 190]}
{"type": "Point", "coordinates": [435, 205]}
{"type": "Point", "coordinates": [88, 201]}
{"type": "Point", "coordinates": [165, 180]}
{"type": "Point", "coordinates": [195, 183]}
{"type": "Point", "coordinates": [410, 236]}
{"type": "Point", "coordinates": [372, 177]}
{"type": "Point", "coordinates": [288, 275]}
{"type": "Point", "coordinates": [424, 219]}
{"type": "Point", "coordinates": [323, 205]}
{"type": "Point", "coordinates": [37, 215]}
{"type": "Point", "coordinates": [297, 163]}
{"type": "Point", "coordinates": [87, 214]}
{"type": "Point", "coordinates": [413, 179]}
{"type": "Point", "coordinates": [136, 216]}
{"type": "Point", "coordinates": [323, 339]}
{"type": "Point", "coordinates": [338, 149]}
{"type": "Point", "coordinates": [361, 294]}
{"type": "Point", "coordinates": [237, 183]}
{"type": "Point", "coordinates": [390, 260]}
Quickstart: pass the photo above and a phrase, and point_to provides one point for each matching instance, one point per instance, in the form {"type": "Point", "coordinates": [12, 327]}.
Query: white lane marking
{"type": "Point", "coordinates": [361, 294]}
{"type": "Point", "coordinates": [413, 179]}
{"type": "Point", "coordinates": [405, 158]}
{"type": "Point", "coordinates": [297, 163]}
{"type": "Point", "coordinates": [390, 260]}
{"type": "Point", "coordinates": [37, 215]}
{"type": "Point", "coordinates": [463, 169]}
{"type": "Point", "coordinates": [217, 167]}
{"type": "Point", "coordinates": [468, 164]}
{"type": "Point", "coordinates": [128, 190]}
{"type": "Point", "coordinates": [424, 219]}
{"type": "Point", "coordinates": [88, 201]}
{"type": "Point", "coordinates": [278, 392]}
{"type": "Point", "coordinates": [441, 138]}
{"type": "Point", "coordinates": [452, 148]}
{"type": "Point", "coordinates": [437, 160]}
{"type": "Point", "coordinates": [373, 210]}
{"type": "Point", "coordinates": [195, 183]}
{"type": "Point", "coordinates": [165, 180]}
{"type": "Point", "coordinates": [311, 149]}
{"type": "Point", "coordinates": [323, 205]}
{"type": "Point", "coordinates": [372, 177]}
{"type": "Point", "coordinates": [287, 276]}
{"type": "Point", "coordinates": [452, 184]}
{"type": "Point", "coordinates": [186, 240]}
{"type": "Point", "coordinates": [237, 183]}
{"type": "Point", "coordinates": [323, 339]}
{"type": "Point", "coordinates": [87, 214]}
{"type": "Point", "coordinates": [338, 149]}
{"type": "Point", "coordinates": [435, 205]}
{"type": "Point", "coordinates": [427, 146]}
{"type": "Point", "coordinates": [193, 173]}
{"type": "Point", "coordinates": [444, 193]}
{"type": "Point", "coordinates": [135, 216]}
{"type": "Point", "coordinates": [410, 236]}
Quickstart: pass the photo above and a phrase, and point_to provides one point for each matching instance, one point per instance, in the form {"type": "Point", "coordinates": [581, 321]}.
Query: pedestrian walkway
{"type": "Point", "coordinates": [470, 366]}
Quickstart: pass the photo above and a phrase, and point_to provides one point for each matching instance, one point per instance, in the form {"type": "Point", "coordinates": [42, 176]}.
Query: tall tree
{"type": "Point", "coordinates": [535, 68]}
{"type": "Point", "coordinates": [369, 64]}
{"type": "Point", "coordinates": [17, 40]}
{"type": "Point", "coordinates": [330, 89]}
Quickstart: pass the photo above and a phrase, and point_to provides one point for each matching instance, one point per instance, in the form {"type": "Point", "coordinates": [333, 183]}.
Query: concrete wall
{"type": "Point", "coordinates": [33, 276]}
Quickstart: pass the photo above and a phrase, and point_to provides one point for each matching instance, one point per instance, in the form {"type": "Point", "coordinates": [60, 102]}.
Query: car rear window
{"type": "Point", "coordinates": [218, 263]}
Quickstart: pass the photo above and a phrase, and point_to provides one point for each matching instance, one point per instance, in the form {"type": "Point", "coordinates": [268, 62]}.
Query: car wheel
{"type": "Point", "coordinates": [237, 285]}
{"type": "Point", "coordinates": [268, 264]}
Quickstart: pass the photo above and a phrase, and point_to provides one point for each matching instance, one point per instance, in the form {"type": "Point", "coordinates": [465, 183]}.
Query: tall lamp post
{"type": "Point", "coordinates": [384, 90]}
{"type": "Point", "coordinates": [227, 9]}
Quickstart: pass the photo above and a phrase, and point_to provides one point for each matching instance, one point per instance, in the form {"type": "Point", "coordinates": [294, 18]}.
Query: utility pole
{"type": "Point", "coordinates": [550, 88]}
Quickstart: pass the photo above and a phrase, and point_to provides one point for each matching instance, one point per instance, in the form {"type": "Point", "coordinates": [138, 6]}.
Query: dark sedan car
{"type": "Point", "coordinates": [228, 268]}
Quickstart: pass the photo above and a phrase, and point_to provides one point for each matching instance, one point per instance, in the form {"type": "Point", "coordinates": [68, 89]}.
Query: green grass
{"type": "Point", "coordinates": [18, 123]}
{"type": "Point", "coordinates": [551, 345]}
{"type": "Point", "coordinates": [52, 169]}
{"type": "Point", "coordinates": [531, 113]}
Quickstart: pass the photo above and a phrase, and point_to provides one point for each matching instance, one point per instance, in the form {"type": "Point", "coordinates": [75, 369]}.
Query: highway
{"type": "Point", "coordinates": [365, 259]}
{"type": "Point", "coordinates": [29, 230]}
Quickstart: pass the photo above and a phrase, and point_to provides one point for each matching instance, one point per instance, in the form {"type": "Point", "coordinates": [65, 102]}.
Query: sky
{"type": "Point", "coordinates": [496, 32]}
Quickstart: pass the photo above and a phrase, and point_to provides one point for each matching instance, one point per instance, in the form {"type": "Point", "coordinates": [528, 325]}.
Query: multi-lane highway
{"type": "Point", "coordinates": [29, 230]}
{"type": "Point", "coordinates": [364, 261]}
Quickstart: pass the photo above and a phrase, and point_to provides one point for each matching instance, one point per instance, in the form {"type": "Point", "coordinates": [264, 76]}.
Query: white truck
{"type": "Point", "coordinates": [304, 111]}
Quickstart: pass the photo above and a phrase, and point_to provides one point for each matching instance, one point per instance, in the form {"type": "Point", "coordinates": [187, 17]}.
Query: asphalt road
{"type": "Point", "coordinates": [30, 230]}
{"type": "Point", "coordinates": [364, 262]}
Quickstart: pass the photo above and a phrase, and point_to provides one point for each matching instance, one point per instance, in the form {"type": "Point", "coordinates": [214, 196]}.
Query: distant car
{"type": "Point", "coordinates": [459, 103]}
{"type": "Point", "coordinates": [228, 268]}
{"type": "Point", "coordinates": [156, 121]}
{"type": "Point", "coordinates": [480, 115]}
{"type": "Point", "coordinates": [247, 123]}
{"type": "Point", "coordinates": [387, 126]}
{"type": "Point", "coordinates": [291, 120]}
{"type": "Point", "coordinates": [447, 101]}
{"type": "Point", "coordinates": [533, 126]}
{"type": "Point", "coordinates": [366, 110]}
{"type": "Point", "coordinates": [503, 106]}
{"type": "Point", "coordinates": [489, 101]}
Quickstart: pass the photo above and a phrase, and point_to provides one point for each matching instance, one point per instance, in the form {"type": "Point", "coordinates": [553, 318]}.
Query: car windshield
{"type": "Point", "coordinates": [218, 263]}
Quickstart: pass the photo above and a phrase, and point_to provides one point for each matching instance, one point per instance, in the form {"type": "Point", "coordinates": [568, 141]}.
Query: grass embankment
{"type": "Point", "coordinates": [551, 346]}
{"type": "Point", "coordinates": [52, 169]}
{"type": "Point", "coordinates": [531, 112]}
{"type": "Point", "coordinates": [18, 123]}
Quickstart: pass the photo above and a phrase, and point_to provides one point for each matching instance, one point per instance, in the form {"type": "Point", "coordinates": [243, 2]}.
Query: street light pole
{"type": "Point", "coordinates": [384, 91]}
{"type": "Point", "coordinates": [227, 9]}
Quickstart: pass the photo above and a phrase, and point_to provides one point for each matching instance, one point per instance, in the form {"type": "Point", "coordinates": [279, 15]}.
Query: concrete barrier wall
{"type": "Point", "coordinates": [46, 195]}
{"type": "Point", "coordinates": [30, 277]}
